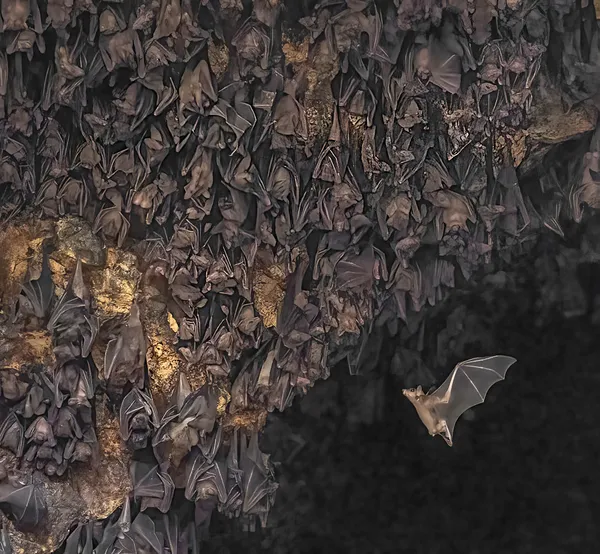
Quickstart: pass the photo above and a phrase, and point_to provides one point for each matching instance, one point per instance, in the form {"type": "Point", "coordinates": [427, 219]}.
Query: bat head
{"type": "Point", "coordinates": [414, 394]}
{"type": "Point", "coordinates": [425, 405]}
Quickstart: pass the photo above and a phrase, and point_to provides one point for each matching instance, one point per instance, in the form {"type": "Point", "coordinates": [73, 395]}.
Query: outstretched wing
{"type": "Point", "coordinates": [445, 67]}
{"type": "Point", "coordinates": [26, 505]}
{"type": "Point", "coordinates": [468, 385]}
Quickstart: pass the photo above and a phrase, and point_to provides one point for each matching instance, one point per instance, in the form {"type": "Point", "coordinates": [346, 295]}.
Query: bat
{"type": "Point", "coordinates": [282, 177]}
{"type": "Point", "coordinates": [143, 536]}
{"type": "Point", "coordinates": [196, 465]}
{"type": "Point", "coordinates": [153, 486]}
{"type": "Point", "coordinates": [213, 480]}
{"type": "Point", "coordinates": [36, 296]}
{"type": "Point", "coordinates": [465, 387]}
{"type": "Point", "coordinates": [12, 386]}
{"type": "Point", "coordinates": [138, 419]}
{"type": "Point", "coordinates": [72, 194]}
{"type": "Point", "coordinates": [81, 539]}
{"type": "Point", "coordinates": [181, 429]}
{"type": "Point", "coordinates": [110, 222]}
{"type": "Point", "coordinates": [125, 355]}
{"type": "Point", "coordinates": [75, 380]}
{"type": "Point", "coordinates": [445, 66]}
{"type": "Point", "coordinates": [66, 425]}
{"type": "Point", "coordinates": [5, 545]}
{"type": "Point", "coordinates": [253, 45]}
{"type": "Point", "coordinates": [124, 521]}
{"type": "Point", "coordinates": [12, 434]}
{"type": "Point", "coordinates": [282, 393]}
{"type": "Point", "coordinates": [257, 479]}
{"type": "Point", "coordinates": [73, 328]}
{"type": "Point", "coordinates": [40, 432]}
{"type": "Point", "coordinates": [136, 402]}
{"type": "Point", "coordinates": [200, 407]}
{"type": "Point", "coordinates": [108, 537]}
{"type": "Point", "coordinates": [205, 475]}
{"type": "Point", "coordinates": [239, 118]}
{"type": "Point", "coordinates": [205, 479]}
{"type": "Point", "coordinates": [77, 451]}
{"type": "Point", "coordinates": [197, 89]}
{"type": "Point", "coordinates": [233, 504]}
{"type": "Point", "coordinates": [33, 404]}
{"type": "Point", "coordinates": [289, 313]}
{"type": "Point", "coordinates": [356, 271]}
{"type": "Point", "coordinates": [111, 21]}
{"type": "Point", "coordinates": [26, 505]}
{"type": "Point", "coordinates": [209, 446]}
{"type": "Point", "coordinates": [172, 533]}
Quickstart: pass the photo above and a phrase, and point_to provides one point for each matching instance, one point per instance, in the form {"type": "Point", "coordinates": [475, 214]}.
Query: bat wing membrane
{"type": "Point", "coordinates": [468, 385]}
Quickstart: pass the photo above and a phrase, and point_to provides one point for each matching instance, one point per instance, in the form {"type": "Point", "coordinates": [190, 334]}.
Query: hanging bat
{"type": "Point", "coordinates": [464, 388]}
{"type": "Point", "coordinates": [71, 324]}
{"type": "Point", "coordinates": [37, 296]}
{"type": "Point", "coordinates": [34, 403]}
{"type": "Point", "coordinates": [152, 486]}
{"type": "Point", "coordinates": [80, 540]}
{"type": "Point", "coordinates": [137, 418]}
{"type": "Point", "coordinates": [25, 505]}
{"type": "Point", "coordinates": [172, 532]}
{"type": "Point", "coordinates": [144, 535]}
{"type": "Point", "coordinates": [207, 476]}
{"type": "Point", "coordinates": [125, 355]}
{"type": "Point", "coordinates": [257, 480]}
{"type": "Point", "coordinates": [5, 545]}
{"type": "Point", "coordinates": [207, 481]}
{"type": "Point", "coordinates": [109, 536]}
{"type": "Point", "coordinates": [12, 435]}
{"type": "Point", "coordinates": [210, 445]}
{"type": "Point", "coordinates": [233, 504]}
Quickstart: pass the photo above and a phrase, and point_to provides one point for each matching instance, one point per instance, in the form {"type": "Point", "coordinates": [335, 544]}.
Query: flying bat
{"type": "Point", "coordinates": [465, 387]}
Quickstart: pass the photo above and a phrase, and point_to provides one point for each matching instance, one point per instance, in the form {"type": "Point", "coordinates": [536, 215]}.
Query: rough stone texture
{"type": "Point", "coordinates": [374, 157]}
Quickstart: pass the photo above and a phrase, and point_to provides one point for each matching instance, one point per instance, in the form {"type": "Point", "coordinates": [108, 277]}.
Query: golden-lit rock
{"type": "Point", "coordinates": [320, 68]}
{"type": "Point", "coordinates": [161, 356]}
{"type": "Point", "coordinates": [551, 124]}
{"type": "Point", "coordinates": [269, 290]}
{"type": "Point", "coordinates": [218, 58]}
{"type": "Point", "coordinates": [20, 250]}
{"type": "Point", "coordinates": [65, 509]}
{"type": "Point", "coordinates": [27, 348]}
{"type": "Point", "coordinates": [75, 239]}
{"type": "Point", "coordinates": [258, 110]}
{"type": "Point", "coordinates": [113, 286]}
{"type": "Point", "coordinates": [163, 361]}
{"type": "Point", "coordinates": [296, 52]}
{"type": "Point", "coordinates": [251, 419]}
{"type": "Point", "coordinates": [104, 486]}
{"type": "Point", "coordinates": [93, 491]}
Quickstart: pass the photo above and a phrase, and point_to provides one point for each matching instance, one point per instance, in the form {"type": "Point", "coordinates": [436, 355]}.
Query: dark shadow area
{"type": "Point", "coordinates": [520, 477]}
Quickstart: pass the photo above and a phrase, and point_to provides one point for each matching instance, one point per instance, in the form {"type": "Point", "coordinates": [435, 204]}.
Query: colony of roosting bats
{"type": "Point", "coordinates": [286, 176]}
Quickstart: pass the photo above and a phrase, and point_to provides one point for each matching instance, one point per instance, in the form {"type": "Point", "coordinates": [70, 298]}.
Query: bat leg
{"type": "Point", "coordinates": [445, 433]}
{"type": "Point", "coordinates": [442, 429]}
